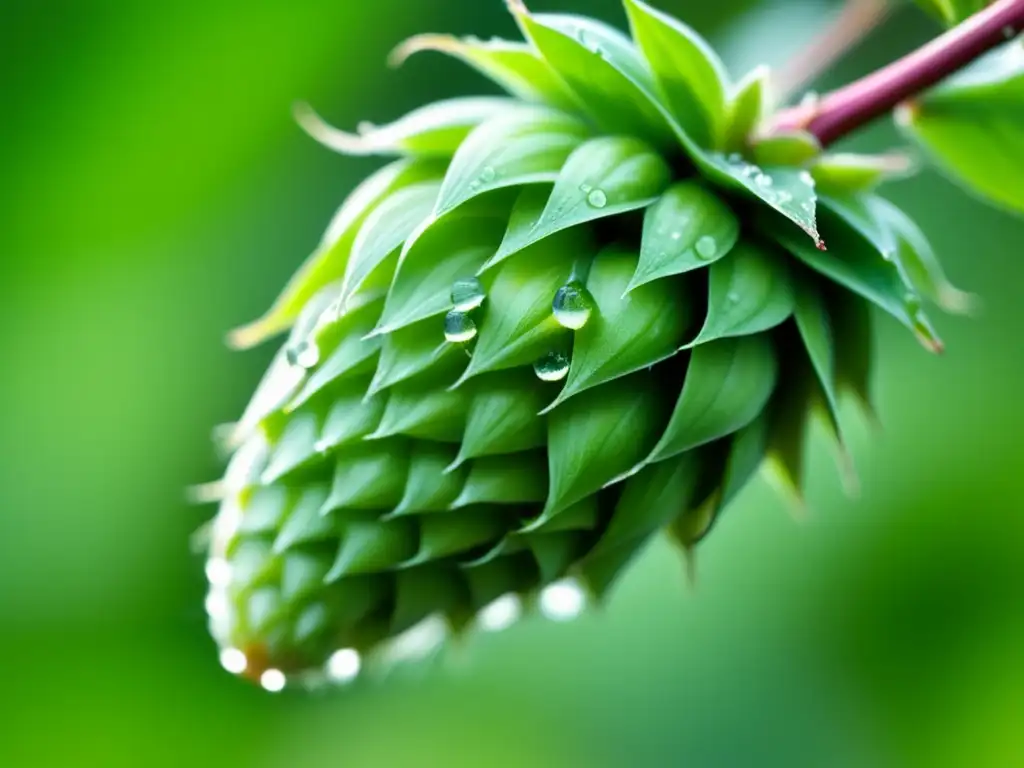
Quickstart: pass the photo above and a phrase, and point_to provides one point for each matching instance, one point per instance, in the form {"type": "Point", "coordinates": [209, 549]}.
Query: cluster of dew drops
{"type": "Point", "coordinates": [560, 601]}
{"type": "Point", "coordinates": [572, 306]}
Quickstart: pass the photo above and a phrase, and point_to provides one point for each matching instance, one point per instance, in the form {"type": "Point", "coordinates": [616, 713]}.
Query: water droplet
{"type": "Point", "coordinates": [217, 606]}
{"type": "Point", "coordinates": [706, 248]}
{"type": "Point", "coordinates": [586, 189]}
{"type": "Point", "coordinates": [735, 158]}
{"type": "Point", "coordinates": [303, 354]}
{"type": "Point", "coordinates": [500, 614]}
{"type": "Point", "coordinates": [273, 680]}
{"type": "Point", "coordinates": [913, 303]}
{"type": "Point", "coordinates": [554, 366]}
{"type": "Point", "coordinates": [218, 572]}
{"type": "Point", "coordinates": [763, 180]}
{"type": "Point", "coordinates": [343, 666]}
{"type": "Point", "coordinates": [597, 199]}
{"type": "Point", "coordinates": [233, 660]}
{"type": "Point", "coordinates": [572, 305]}
{"type": "Point", "coordinates": [459, 327]}
{"type": "Point", "coordinates": [676, 235]}
{"type": "Point", "coordinates": [733, 297]}
{"type": "Point", "coordinates": [488, 174]}
{"type": "Point", "coordinates": [562, 600]}
{"type": "Point", "coordinates": [467, 294]}
{"type": "Point", "coordinates": [806, 178]}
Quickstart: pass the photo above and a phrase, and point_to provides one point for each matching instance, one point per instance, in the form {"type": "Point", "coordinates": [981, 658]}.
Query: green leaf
{"type": "Point", "coordinates": [839, 173]}
{"type": "Point", "coordinates": [344, 350]}
{"type": "Point", "coordinates": [602, 177]}
{"type": "Point", "coordinates": [327, 263]}
{"type": "Point", "coordinates": [581, 516]}
{"type": "Point", "coordinates": [519, 478]}
{"type": "Point", "coordinates": [517, 324]}
{"type": "Point", "coordinates": [369, 476]}
{"type": "Point", "coordinates": [854, 262]}
{"type": "Point", "coordinates": [278, 385]}
{"type": "Point", "coordinates": [816, 332]}
{"type": "Point", "coordinates": [688, 71]}
{"type": "Point", "coordinates": [411, 351]}
{"type": "Point", "coordinates": [598, 435]}
{"type": "Point", "coordinates": [852, 329]}
{"type": "Point", "coordinates": [429, 488]}
{"type": "Point", "coordinates": [295, 446]}
{"type": "Point", "coordinates": [503, 416]}
{"type": "Point", "coordinates": [728, 383]}
{"type": "Point", "coordinates": [971, 126]}
{"type": "Point", "coordinates": [789, 414]}
{"type": "Point", "coordinates": [793, 148]}
{"type": "Point", "coordinates": [382, 235]}
{"type": "Point", "coordinates": [459, 531]}
{"type": "Point", "coordinates": [688, 228]}
{"type": "Point", "coordinates": [370, 546]}
{"type": "Point", "coordinates": [599, 574]}
{"type": "Point", "coordinates": [748, 292]}
{"type": "Point", "coordinates": [858, 212]}
{"type": "Point", "coordinates": [787, 190]}
{"type": "Point", "coordinates": [352, 417]}
{"type": "Point", "coordinates": [746, 453]}
{"type": "Point", "coordinates": [650, 500]}
{"type": "Point", "coordinates": [514, 66]}
{"type": "Point", "coordinates": [264, 508]}
{"type": "Point", "coordinates": [448, 250]}
{"type": "Point", "coordinates": [429, 414]}
{"type": "Point", "coordinates": [747, 105]}
{"type": "Point", "coordinates": [527, 145]}
{"type": "Point", "coordinates": [425, 590]}
{"type": "Point", "coordinates": [305, 524]}
{"type": "Point", "coordinates": [603, 69]}
{"type": "Point", "coordinates": [435, 129]}
{"type": "Point", "coordinates": [919, 263]}
{"type": "Point", "coordinates": [627, 331]}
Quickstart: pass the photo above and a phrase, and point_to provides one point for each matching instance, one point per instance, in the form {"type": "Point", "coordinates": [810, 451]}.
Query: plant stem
{"type": "Point", "coordinates": [843, 111]}
{"type": "Point", "coordinates": [851, 25]}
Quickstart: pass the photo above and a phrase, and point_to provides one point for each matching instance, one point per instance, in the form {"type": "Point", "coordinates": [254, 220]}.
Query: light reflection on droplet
{"type": "Point", "coordinates": [217, 605]}
{"type": "Point", "coordinates": [500, 614]}
{"type": "Point", "coordinates": [344, 665]}
{"type": "Point", "coordinates": [562, 601]}
{"type": "Point", "coordinates": [418, 642]}
{"type": "Point", "coordinates": [273, 680]}
{"type": "Point", "coordinates": [218, 572]}
{"type": "Point", "coordinates": [233, 660]}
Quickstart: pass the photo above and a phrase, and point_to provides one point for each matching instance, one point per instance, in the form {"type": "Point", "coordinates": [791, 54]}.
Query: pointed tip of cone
{"type": "Point", "coordinates": [459, 461]}
{"type": "Point", "coordinates": [418, 43]}
{"type": "Point", "coordinates": [207, 493]}
{"type": "Point", "coordinates": [253, 334]}
{"type": "Point", "coordinates": [959, 302]}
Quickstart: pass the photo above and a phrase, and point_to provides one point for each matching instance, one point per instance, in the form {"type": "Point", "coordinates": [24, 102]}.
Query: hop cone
{"type": "Point", "coordinates": [558, 323]}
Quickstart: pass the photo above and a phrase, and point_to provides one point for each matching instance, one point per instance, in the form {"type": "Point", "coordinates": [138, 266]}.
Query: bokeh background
{"type": "Point", "coordinates": [156, 193]}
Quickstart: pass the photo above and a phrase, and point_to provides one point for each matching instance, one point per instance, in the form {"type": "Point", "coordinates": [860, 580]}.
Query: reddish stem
{"type": "Point", "coordinates": [842, 111]}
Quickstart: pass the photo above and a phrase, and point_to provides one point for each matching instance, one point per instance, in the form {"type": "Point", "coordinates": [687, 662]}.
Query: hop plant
{"type": "Point", "coordinates": [557, 324]}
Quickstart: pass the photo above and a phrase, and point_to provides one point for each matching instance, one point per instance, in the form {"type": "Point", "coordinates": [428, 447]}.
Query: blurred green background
{"type": "Point", "coordinates": [156, 193]}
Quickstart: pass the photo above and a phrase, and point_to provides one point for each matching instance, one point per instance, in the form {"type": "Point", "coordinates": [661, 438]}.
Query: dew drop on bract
{"type": "Point", "coordinates": [597, 198]}
{"type": "Point", "coordinates": [733, 297]}
{"type": "Point", "coordinates": [467, 294]}
{"type": "Point", "coordinates": [554, 366]}
{"type": "Point", "coordinates": [586, 189]}
{"type": "Point", "coordinates": [572, 305]}
{"type": "Point", "coordinates": [303, 354]}
{"type": "Point", "coordinates": [706, 247]}
{"type": "Point", "coordinates": [459, 327]}
{"type": "Point", "coordinates": [488, 174]}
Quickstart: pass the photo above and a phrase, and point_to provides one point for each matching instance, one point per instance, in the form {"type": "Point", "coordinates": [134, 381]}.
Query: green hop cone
{"type": "Point", "coordinates": [558, 323]}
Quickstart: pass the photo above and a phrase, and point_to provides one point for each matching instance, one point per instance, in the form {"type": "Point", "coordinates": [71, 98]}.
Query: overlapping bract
{"type": "Point", "coordinates": [557, 325]}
